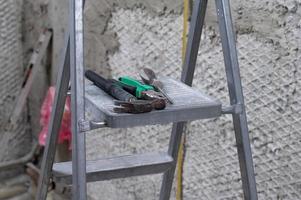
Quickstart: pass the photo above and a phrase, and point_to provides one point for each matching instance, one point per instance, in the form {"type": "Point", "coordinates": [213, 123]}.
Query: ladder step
{"type": "Point", "coordinates": [189, 104]}
{"type": "Point", "coordinates": [116, 167]}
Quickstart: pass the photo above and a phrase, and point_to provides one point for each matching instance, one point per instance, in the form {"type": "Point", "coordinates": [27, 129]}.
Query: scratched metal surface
{"type": "Point", "coordinates": [189, 105]}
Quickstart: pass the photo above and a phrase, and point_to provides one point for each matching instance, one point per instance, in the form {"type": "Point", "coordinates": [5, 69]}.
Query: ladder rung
{"type": "Point", "coordinates": [116, 167]}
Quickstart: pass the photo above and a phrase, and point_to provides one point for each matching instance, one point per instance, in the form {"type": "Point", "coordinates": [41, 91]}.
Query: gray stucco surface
{"type": "Point", "coordinates": [268, 45]}
{"type": "Point", "coordinates": [123, 36]}
{"type": "Point", "coordinates": [12, 139]}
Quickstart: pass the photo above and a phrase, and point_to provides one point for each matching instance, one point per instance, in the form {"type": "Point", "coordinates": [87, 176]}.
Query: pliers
{"type": "Point", "coordinates": [138, 89]}
{"type": "Point", "coordinates": [149, 77]}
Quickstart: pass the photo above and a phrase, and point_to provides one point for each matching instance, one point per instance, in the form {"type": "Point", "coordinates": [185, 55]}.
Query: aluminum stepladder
{"type": "Point", "coordinates": [72, 69]}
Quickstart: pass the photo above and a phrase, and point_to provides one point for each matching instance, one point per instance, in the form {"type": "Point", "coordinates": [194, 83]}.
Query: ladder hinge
{"type": "Point", "coordinates": [85, 125]}
{"type": "Point", "coordinates": [233, 109]}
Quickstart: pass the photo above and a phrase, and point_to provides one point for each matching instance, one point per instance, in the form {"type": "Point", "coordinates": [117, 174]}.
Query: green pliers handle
{"type": "Point", "coordinates": [137, 86]}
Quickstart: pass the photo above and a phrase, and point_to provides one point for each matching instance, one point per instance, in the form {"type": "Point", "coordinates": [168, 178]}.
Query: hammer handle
{"type": "Point", "coordinates": [109, 86]}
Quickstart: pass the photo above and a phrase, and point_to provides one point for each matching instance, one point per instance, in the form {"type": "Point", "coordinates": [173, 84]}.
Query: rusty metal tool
{"type": "Point", "coordinates": [138, 106]}
{"type": "Point", "coordinates": [135, 107]}
{"type": "Point", "coordinates": [148, 76]}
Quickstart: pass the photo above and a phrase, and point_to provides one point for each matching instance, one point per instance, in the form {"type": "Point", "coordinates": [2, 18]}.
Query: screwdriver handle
{"type": "Point", "coordinates": [109, 86]}
{"type": "Point", "coordinates": [140, 87]}
{"type": "Point", "coordinates": [128, 88]}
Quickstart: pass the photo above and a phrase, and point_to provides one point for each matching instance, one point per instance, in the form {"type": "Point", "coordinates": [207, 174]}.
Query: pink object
{"type": "Point", "coordinates": [65, 131]}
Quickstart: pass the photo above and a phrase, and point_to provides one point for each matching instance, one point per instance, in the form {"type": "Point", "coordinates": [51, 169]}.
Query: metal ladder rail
{"type": "Point", "coordinates": [236, 99]}
{"type": "Point", "coordinates": [235, 92]}
{"type": "Point", "coordinates": [72, 62]}
{"type": "Point", "coordinates": [55, 122]}
{"type": "Point", "coordinates": [79, 186]}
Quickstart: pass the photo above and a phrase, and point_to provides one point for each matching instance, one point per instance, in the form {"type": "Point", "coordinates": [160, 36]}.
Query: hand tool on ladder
{"type": "Point", "coordinates": [140, 90]}
{"type": "Point", "coordinates": [127, 102]}
{"type": "Point", "coordinates": [110, 86]}
{"type": "Point", "coordinates": [148, 76]}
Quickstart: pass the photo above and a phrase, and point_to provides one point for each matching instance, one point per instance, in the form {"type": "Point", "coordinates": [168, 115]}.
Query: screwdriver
{"type": "Point", "coordinates": [139, 89]}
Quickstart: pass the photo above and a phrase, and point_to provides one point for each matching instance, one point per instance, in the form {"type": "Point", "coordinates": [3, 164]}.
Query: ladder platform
{"type": "Point", "coordinates": [116, 167]}
{"type": "Point", "coordinates": [188, 105]}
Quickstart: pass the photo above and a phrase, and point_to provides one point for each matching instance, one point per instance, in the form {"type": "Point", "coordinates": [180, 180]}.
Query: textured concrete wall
{"type": "Point", "coordinates": [12, 140]}
{"type": "Point", "coordinates": [268, 45]}
{"type": "Point", "coordinates": [19, 31]}
{"type": "Point", "coordinates": [35, 20]}
{"type": "Point", "coordinates": [123, 36]}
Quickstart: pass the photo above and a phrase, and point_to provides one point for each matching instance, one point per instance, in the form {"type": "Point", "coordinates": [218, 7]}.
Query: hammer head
{"type": "Point", "coordinates": [139, 106]}
{"type": "Point", "coordinates": [159, 104]}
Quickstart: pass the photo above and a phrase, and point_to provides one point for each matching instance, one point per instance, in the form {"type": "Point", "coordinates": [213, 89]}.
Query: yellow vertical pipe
{"type": "Point", "coordinates": [179, 191]}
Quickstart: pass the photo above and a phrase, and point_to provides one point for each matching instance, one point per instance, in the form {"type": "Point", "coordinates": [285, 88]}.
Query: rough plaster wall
{"type": "Point", "coordinates": [100, 42]}
{"type": "Point", "coordinates": [35, 20]}
{"type": "Point", "coordinates": [19, 30]}
{"type": "Point", "coordinates": [268, 45]}
{"type": "Point", "coordinates": [12, 139]}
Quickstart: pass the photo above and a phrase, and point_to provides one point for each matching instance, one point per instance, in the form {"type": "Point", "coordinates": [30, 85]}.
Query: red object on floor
{"type": "Point", "coordinates": [65, 131]}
